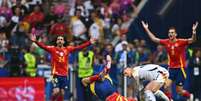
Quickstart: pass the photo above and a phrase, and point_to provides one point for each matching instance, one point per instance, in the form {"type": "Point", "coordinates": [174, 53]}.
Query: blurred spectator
{"type": "Point", "coordinates": [37, 16]}
{"type": "Point", "coordinates": [31, 3]}
{"type": "Point", "coordinates": [88, 7]}
{"type": "Point", "coordinates": [6, 2]}
{"type": "Point", "coordinates": [78, 5]}
{"type": "Point", "coordinates": [126, 22]}
{"type": "Point", "coordinates": [16, 18]}
{"type": "Point", "coordinates": [59, 9]}
{"type": "Point", "coordinates": [107, 21]}
{"type": "Point", "coordinates": [30, 62]}
{"type": "Point", "coordinates": [85, 69]}
{"type": "Point", "coordinates": [160, 55]}
{"type": "Point", "coordinates": [4, 42]}
{"type": "Point", "coordinates": [23, 8]}
{"type": "Point", "coordinates": [195, 64]}
{"type": "Point", "coordinates": [119, 47]}
{"type": "Point", "coordinates": [15, 64]}
{"type": "Point", "coordinates": [121, 56]}
{"type": "Point", "coordinates": [59, 28]}
{"type": "Point", "coordinates": [3, 22]}
{"type": "Point", "coordinates": [144, 56]}
{"type": "Point", "coordinates": [127, 5]}
{"type": "Point", "coordinates": [115, 7]}
{"type": "Point", "coordinates": [19, 35]}
{"type": "Point", "coordinates": [5, 10]}
{"type": "Point", "coordinates": [96, 29]}
{"type": "Point", "coordinates": [115, 30]}
{"type": "Point", "coordinates": [76, 23]}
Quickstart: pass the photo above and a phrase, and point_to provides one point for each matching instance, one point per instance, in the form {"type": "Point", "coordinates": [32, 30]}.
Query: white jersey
{"type": "Point", "coordinates": [150, 72]}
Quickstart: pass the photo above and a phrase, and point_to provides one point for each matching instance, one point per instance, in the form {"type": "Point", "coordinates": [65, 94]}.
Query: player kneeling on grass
{"type": "Point", "coordinates": [155, 74]}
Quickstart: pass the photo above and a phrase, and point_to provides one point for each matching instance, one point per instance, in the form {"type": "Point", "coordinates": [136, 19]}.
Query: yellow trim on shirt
{"type": "Point", "coordinates": [182, 68]}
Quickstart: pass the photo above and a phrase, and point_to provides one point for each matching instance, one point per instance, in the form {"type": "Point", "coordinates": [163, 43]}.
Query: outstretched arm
{"type": "Point", "coordinates": [92, 41]}
{"type": "Point", "coordinates": [193, 37]}
{"type": "Point", "coordinates": [33, 39]}
{"type": "Point", "coordinates": [151, 35]}
{"type": "Point", "coordinates": [100, 76]}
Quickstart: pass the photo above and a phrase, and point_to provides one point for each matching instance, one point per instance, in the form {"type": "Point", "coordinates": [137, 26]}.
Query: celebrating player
{"type": "Point", "coordinates": [176, 52]}
{"type": "Point", "coordinates": [59, 62]}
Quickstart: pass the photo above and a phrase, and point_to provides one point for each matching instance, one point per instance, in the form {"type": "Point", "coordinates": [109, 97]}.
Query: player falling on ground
{"type": "Point", "coordinates": [102, 86]}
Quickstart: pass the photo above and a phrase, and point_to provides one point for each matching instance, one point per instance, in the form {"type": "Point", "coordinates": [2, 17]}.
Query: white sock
{"type": "Point", "coordinates": [161, 95]}
{"type": "Point", "coordinates": [149, 96]}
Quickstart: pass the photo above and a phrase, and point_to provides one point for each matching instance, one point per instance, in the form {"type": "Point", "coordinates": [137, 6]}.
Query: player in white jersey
{"type": "Point", "coordinates": [155, 74]}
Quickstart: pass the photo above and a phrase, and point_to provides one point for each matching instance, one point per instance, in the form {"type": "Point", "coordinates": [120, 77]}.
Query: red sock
{"type": "Point", "coordinates": [186, 94]}
{"type": "Point", "coordinates": [169, 95]}
{"type": "Point", "coordinates": [53, 98]}
{"type": "Point", "coordinates": [60, 98]}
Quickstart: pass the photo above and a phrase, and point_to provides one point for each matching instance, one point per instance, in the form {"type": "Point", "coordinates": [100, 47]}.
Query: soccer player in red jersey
{"type": "Point", "coordinates": [59, 62]}
{"type": "Point", "coordinates": [102, 86]}
{"type": "Point", "coordinates": [175, 48]}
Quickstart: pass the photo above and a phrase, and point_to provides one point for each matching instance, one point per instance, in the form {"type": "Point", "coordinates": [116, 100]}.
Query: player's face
{"type": "Point", "coordinates": [128, 72]}
{"type": "Point", "coordinates": [172, 34]}
{"type": "Point", "coordinates": [60, 41]}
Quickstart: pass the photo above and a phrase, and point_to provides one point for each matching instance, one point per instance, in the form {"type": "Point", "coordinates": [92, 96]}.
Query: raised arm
{"type": "Point", "coordinates": [40, 44]}
{"type": "Point", "coordinates": [101, 75]}
{"type": "Point", "coordinates": [150, 34]}
{"type": "Point", "coordinates": [92, 41]}
{"type": "Point", "coordinates": [193, 37]}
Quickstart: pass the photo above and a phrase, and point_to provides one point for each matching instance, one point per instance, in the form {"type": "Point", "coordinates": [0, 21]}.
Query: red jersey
{"type": "Point", "coordinates": [176, 52]}
{"type": "Point", "coordinates": [59, 57]}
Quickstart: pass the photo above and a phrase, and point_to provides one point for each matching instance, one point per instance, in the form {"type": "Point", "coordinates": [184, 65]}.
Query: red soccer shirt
{"type": "Point", "coordinates": [59, 57]}
{"type": "Point", "coordinates": [176, 52]}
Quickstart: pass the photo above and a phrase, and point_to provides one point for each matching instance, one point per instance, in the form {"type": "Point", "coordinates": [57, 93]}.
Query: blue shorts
{"type": "Point", "coordinates": [177, 76]}
{"type": "Point", "coordinates": [60, 82]}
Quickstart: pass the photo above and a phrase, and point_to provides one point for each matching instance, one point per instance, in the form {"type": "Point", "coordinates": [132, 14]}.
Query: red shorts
{"type": "Point", "coordinates": [117, 97]}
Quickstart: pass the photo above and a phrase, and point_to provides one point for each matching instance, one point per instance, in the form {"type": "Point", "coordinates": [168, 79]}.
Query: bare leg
{"type": "Point", "coordinates": [167, 87]}
{"type": "Point", "coordinates": [150, 89]}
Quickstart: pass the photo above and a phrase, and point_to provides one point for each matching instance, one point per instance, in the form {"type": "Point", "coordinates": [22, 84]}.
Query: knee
{"type": "Point", "coordinates": [62, 92]}
{"type": "Point", "coordinates": [55, 91]}
{"type": "Point", "coordinates": [179, 90]}
{"type": "Point", "coordinates": [150, 89]}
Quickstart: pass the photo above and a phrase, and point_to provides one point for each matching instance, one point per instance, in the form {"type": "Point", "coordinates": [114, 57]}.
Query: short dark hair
{"type": "Point", "coordinates": [172, 27]}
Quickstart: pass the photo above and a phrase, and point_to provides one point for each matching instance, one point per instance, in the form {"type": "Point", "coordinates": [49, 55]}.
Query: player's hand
{"type": "Point", "coordinates": [195, 26]}
{"type": "Point", "coordinates": [92, 40]}
{"type": "Point", "coordinates": [145, 25]}
{"type": "Point", "coordinates": [33, 37]}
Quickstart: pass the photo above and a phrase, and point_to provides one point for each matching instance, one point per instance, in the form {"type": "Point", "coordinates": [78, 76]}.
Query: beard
{"type": "Point", "coordinates": [60, 44]}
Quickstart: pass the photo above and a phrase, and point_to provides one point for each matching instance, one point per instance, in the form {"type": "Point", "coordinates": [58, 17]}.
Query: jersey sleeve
{"type": "Point", "coordinates": [163, 41]}
{"type": "Point", "coordinates": [73, 48]}
{"type": "Point", "coordinates": [43, 46]}
{"type": "Point", "coordinates": [101, 75]}
{"type": "Point", "coordinates": [183, 42]}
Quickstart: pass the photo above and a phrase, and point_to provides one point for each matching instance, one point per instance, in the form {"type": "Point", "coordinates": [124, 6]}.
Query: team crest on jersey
{"type": "Point", "coordinates": [60, 53]}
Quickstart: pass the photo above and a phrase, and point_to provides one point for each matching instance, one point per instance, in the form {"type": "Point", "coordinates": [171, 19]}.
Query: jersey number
{"type": "Point", "coordinates": [61, 59]}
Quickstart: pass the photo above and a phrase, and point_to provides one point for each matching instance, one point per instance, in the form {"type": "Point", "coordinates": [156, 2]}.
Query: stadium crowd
{"type": "Point", "coordinates": [77, 20]}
